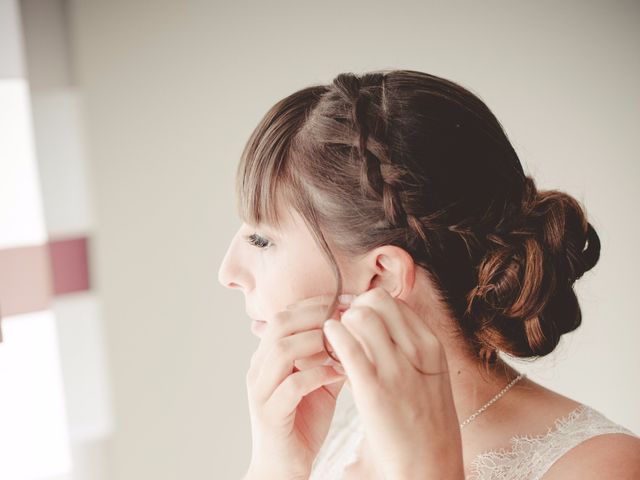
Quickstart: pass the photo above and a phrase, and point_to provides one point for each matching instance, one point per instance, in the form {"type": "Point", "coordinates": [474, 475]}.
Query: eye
{"type": "Point", "coordinates": [258, 241]}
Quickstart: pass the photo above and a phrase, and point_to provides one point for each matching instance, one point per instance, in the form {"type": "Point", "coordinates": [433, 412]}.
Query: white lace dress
{"type": "Point", "coordinates": [527, 459]}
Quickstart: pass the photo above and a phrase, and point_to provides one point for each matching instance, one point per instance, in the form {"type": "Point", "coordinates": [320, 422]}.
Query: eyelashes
{"type": "Point", "coordinates": [258, 241]}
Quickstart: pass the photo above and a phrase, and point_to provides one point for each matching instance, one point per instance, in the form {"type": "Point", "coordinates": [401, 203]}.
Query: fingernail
{"type": "Point", "coordinates": [346, 298]}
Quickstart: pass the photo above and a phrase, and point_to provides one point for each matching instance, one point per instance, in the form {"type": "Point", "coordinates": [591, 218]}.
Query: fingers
{"type": "Point", "coordinates": [407, 329]}
{"type": "Point", "coordinates": [279, 361]}
{"type": "Point", "coordinates": [401, 330]}
{"type": "Point", "coordinates": [319, 359]}
{"type": "Point", "coordinates": [334, 388]}
{"type": "Point", "coordinates": [305, 315]}
{"type": "Point", "coordinates": [289, 393]}
{"type": "Point", "coordinates": [314, 360]}
{"type": "Point", "coordinates": [317, 300]}
{"type": "Point", "coordinates": [298, 319]}
{"type": "Point", "coordinates": [287, 323]}
{"type": "Point", "coordinates": [320, 300]}
{"type": "Point", "coordinates": [325, 299]}
{"type": "Point", "coordinates": [292, 335]}
{"type": "Point", "coordinates": [366, 326]}
{"type": "Point", "coordinates": [356, 364]}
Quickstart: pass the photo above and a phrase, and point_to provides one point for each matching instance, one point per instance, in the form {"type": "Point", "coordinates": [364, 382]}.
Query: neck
{"type": "Point", "coordinates": [471, 389]}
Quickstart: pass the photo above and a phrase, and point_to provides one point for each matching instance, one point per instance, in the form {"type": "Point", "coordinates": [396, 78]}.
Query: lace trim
{"type": "Point", "coordinates": [531, 456]}
{"type": "Point", "coordinates": [528, 457]}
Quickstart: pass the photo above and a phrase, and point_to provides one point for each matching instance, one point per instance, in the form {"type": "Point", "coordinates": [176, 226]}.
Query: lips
{"type": "Point", "coordinates": [253, 319]}
{"type": "Point", "coordinates": [258, 326]}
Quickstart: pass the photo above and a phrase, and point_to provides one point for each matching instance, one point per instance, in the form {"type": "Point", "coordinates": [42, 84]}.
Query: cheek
{"type": "Point", "coordinates": [299, 277]}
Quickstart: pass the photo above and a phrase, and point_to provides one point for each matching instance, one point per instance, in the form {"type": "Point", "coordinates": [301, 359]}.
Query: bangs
{"type": "Point", "coordinates": [265, 181]}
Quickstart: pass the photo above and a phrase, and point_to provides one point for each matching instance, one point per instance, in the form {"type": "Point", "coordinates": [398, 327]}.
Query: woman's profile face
{"type": "Point", "coordinates": [275, 268]}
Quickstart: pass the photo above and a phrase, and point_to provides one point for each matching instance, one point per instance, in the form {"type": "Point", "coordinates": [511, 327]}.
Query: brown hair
{"type": "Point", "coordinates": [410, 159]}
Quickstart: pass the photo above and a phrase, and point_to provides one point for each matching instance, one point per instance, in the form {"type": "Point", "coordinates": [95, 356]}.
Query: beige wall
{"type": "Point", "coordinates": [172, 91]}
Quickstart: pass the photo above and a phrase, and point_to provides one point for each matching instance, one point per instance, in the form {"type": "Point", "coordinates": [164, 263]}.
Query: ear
{"type": "Point", "coordinates": [391, 268]}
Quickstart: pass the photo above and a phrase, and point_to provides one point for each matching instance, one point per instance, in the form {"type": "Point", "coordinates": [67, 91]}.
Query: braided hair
{"type": "Point", "coordinates": [410, 159]}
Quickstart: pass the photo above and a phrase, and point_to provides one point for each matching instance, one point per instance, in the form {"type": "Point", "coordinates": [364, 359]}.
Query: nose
{"type": "Point", "coordinates": [229, 273]}
{"type": "Point", "coordinates": [224, 273]}
{"type": "Point", "coordinates": [228, 284]}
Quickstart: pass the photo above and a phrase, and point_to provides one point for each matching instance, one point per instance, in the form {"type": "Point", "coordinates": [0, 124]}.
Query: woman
{"type": "Point", "coordinates": [402, 188]}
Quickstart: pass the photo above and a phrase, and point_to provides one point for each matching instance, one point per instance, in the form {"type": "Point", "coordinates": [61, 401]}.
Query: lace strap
{"type": "Point", "coordinates": [585, 424]}
{"type": "Point", "coordinates": [531, 456]}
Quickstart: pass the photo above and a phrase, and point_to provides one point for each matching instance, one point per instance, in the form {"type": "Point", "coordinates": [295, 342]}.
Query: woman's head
{"type": "Point", "coordinates": [410, 160]}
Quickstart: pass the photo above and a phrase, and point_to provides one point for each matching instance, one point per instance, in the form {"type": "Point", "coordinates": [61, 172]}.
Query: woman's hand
{"type": "Point", "coordinates": [400, 383]}
{"type": "Point", "coordinates": [292, 395]}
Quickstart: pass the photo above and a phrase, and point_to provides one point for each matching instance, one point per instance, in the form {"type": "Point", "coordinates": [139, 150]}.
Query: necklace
{"type": "Point", "coordinates": [486, 405]}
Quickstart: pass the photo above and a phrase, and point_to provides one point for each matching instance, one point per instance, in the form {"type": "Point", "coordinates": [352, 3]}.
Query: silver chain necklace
{"type": "Point", "coordinates": [486, 405]}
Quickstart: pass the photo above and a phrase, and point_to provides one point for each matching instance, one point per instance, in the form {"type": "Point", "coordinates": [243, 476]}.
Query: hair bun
{"type": "Point", "coordinates": [524, 300]}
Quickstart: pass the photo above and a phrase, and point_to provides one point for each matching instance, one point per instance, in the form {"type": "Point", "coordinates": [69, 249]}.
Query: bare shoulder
{"type": "Point", "coordinates": [611, 455]}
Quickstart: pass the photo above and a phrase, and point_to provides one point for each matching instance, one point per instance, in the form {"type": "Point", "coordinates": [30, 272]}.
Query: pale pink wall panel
{"type": "Point", "coordinates": [69, 265]}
